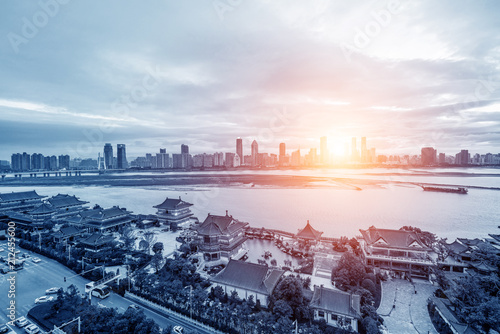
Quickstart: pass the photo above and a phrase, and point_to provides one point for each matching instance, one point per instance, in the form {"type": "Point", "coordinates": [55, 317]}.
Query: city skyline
{"type": "Point", "coordinates": [274, 72]}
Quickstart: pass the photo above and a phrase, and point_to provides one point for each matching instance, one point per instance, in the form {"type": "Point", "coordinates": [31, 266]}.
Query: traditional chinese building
{"type": "Point", "coordinates": [248, 279]}
{"type": "Point", "coordinates": [308, 233]}
{"type": "Point", "coordinates": [42, 213]}
{"type": "Point", "coordinates": [400, 252]}
{"type": "Point", "coordinates": [21, 201]}
{"type": "Point", "coordinates": [338, 308]}
{"type": "Point", "coordinates": [100, 219]}
{"type": "Point", "coordinates": [173, 211]}
{"type": "Point", "coordinates": [66, 205]}
{"type": "Point", "coordinates": [97, 241]}
{"type": "Point", "coordinates": [221, 238]}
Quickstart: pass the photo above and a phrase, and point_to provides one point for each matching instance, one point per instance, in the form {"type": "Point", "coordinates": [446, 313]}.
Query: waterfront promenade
{"type": "Point", "coordinates": [403, 310]}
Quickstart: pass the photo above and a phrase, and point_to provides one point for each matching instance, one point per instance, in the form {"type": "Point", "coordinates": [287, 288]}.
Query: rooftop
{"type": "Point", "coordinates": [173, 204]}
{"type": "Point", "coordinates": [249, 276]}
{"type": "Point", "coordinates": [308, 232]}
{"type": "Point", "coordinates": [393, 238]}
{"type": "Point", "coordinates": [63, 200]}
{"type": "Point", "coordinates": [336, 301]}
{"type": "Point", "coordinates": [219, 225]}
{"type": "Point", "coordinates": [19, 196]}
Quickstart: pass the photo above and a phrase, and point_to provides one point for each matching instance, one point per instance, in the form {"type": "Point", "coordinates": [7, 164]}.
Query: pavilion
{"type": "Point", "coordinates": [308, 233]}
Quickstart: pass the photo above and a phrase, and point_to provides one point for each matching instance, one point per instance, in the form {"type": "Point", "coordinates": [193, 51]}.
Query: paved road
{"type": "Point", "coordinates": [35, 278]}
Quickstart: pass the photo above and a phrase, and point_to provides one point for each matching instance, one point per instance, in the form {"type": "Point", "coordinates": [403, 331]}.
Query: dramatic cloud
{"type": "Point", "coordinates": [157, 74]}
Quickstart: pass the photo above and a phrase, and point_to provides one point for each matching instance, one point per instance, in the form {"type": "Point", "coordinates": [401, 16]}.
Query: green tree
{"type": "Point", "coordinates": [349, 272]}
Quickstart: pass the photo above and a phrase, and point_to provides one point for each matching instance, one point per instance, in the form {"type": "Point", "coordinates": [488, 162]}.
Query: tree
{"type": "Point", "coordinates": [427, 238]}
{"type": "Point", "coordinates": [150, 238]}
{"type": "Point", "coordinates": [349, 272]}
{"type": "Point", "coordinates": [157, 261]}
{"type": "Point", "coordinates": [289, 290]}
{"type": "Point", "coordinates": [282, 310]}
{"type": "Point", "coordinates": [128, 238]}
{"type": "Point", "coordinates": [441, 249]}
{"type": "Point", "coordinates": [158, 247]}
{"type": "Point", "coordinates": [354, 243]}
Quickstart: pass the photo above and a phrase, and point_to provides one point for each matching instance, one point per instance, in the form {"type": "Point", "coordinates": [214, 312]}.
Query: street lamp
{"type": "Point", "coordinates": [190, 300]}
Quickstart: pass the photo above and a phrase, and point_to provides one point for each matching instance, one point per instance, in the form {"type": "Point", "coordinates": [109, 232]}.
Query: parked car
{"type": "Point", "coordinates": [178, 330]}
{"type": "Point", "coordinates": [4, 329]}
{"type": "Point", "coordinates": [36, 259]}
{"type": "Point", "coordinates": [133, 306]}
{"type": "Point", "coordinates": [43, 299]}
{"type": "Point", "coordinates": [32, 329]}
{"type": "Point", "coordinates": [21, 322]}
{"type": "Point", "coordinates": [1, 249]}
{"type": "Point", "coordinates": [51, 291]}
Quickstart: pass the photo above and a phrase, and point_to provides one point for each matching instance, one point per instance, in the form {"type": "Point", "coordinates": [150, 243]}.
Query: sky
{"type": "Point", "coordinates": [156, 74]}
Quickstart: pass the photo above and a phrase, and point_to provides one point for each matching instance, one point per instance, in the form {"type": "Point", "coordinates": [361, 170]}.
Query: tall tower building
{"type": "Point", "coordinates": [354, 150]}
{"type": "Point", "coordinates": [108, 156]}
{"type": "Point", "coordinates": [428, 156]}
{"type": "Point", "coordinates": [364, 150]}
{"type": "Point", "coordinates": [121, 157]}
{"type": "Point", "coordinates": [323, 146]}
{"type": "Point", "coordinates": [255, 153]}
{"type": "Point", "coordinates": [184, 149]}
{"type": "Point", "coordinates": [282, 154]}
{"type": "Point", "coordinates": [239, 148]}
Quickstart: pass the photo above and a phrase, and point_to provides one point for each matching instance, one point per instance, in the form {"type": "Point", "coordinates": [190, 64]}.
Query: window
{"type": "Point", "coordinates": [334, 317]}
{"type": "Point", "coordinates": [321, 314]}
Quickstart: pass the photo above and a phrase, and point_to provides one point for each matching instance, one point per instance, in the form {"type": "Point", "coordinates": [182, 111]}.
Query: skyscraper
{"type": "Point", "coordinates": [282, 155]}
{"type": "Point", "coordinates": [255, 153]}
{"type": "Point", "coordinates": [239, 148]}
{"type": "Point", "coordinates": [184, 149]}
{"type": "Point", "coordinates": [121, 157]}
{"type": "Point", "coordinates": [108, 156]}
{"type": "Point", "coordinates": [364, 150]}
{"type": "Point", "coordinates": [428, 156]}
{"type": "Point", "coordinates": [354, 150]}
{"type": "Point", "coordinates": [323, 146]}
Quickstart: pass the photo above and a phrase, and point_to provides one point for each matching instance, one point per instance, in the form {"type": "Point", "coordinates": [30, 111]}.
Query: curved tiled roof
{"type": "Point", "coordinates": [43, 209]}
{"type": "Point", "coordinates": [219, 225]}
{"type": "Point", "coordinates": [62, 200]}
{"type": "Point", "coordinates": [172, 204]}
{"type": "Point", "coordinates": [336, 301]}
{"type": "Point", "coordinates": [393, 238]}
{"type": "Point", "coordinates": [249, 276]}
{"type": "Point", "coordinates": [308, 232]}
{"type": "Point", "coordinates": [19, 196]}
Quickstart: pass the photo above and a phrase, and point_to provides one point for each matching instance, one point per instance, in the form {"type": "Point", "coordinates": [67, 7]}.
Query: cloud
{"type": "Point", "coordinates": [418, 80]}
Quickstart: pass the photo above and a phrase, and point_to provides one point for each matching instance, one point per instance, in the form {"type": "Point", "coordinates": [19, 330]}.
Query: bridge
{"type": "Point", "coordinates": [60, 173]}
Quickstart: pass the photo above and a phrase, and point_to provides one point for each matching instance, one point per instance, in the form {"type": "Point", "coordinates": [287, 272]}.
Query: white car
{"type": "Point", "coordinates": [51, 291]}
{"type": "Point", "coordinates": [178, 330]}
{"type": "Point", "coordinates": [1, 249]}
{"type": "Point", "coordinates": [43, 299]}
{"type": "Point", "coordinates": [32, 329]}
{"type": "Point", "coordinates": [21, 322]}
{"type": "Point", "coordinates": [36, 259]}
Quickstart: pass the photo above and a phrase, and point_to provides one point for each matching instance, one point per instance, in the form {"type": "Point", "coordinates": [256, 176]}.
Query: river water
{"type": "Point", "coordinates": [337, 211]}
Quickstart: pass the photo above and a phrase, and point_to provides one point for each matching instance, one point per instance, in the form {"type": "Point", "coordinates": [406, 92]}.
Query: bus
{"type": "Point", "coordinates": [101, 291]}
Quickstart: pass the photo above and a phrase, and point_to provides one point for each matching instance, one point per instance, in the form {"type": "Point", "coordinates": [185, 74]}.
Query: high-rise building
{"type": "Point", "coordinates": [64, 161]}
{"type": "Point", "coordinates": [25, 161]}
{"type": "Point", "coordinates": [229, 159]}
{"type": "Point", "coordinates": [255, 153]}
{"type": "Point", "coordinates": [282, 154]}
{"type": "Point", "coordinates": [184, 149]}
{"type": "Point", "coordinates": [37, 161]}
{"type": "Point", "coordinates": [442, 159]}
{"type": "Point", "coordinates": [323, 146]}
{"type": "Point", "coordinates": [108, 156]}
{"type": "Point", "coordinates": [15, 162]}
{"type": "Point", "coordinates": [239, 148]}
{"type": "Point", "coordinates": [121, 157]}
{"type": "Point", "coordinates": [428, 156]}
{"type": "Point", "coordinates": [354, 150]}
{"type": "Point", "coordinates": [295, 158]}
{"type": "Point", "coordinates": [462, 158]}
{"type": "Point", "coordinates": [162, 159]}
{"type": "Point", "coordinates": [364, 150]}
